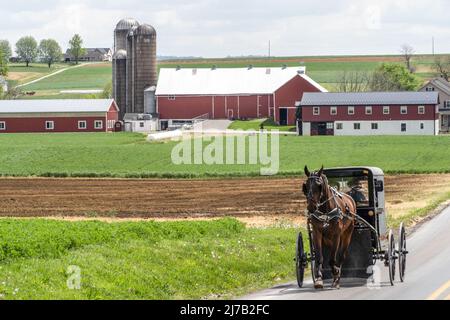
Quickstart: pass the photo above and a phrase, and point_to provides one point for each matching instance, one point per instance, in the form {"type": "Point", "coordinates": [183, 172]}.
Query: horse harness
{"type": "Point", "coordinates": [336, 213]}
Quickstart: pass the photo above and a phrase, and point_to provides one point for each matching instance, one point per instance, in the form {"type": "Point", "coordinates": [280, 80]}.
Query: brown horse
{"type": "Point", "coordinates": [332, 218]}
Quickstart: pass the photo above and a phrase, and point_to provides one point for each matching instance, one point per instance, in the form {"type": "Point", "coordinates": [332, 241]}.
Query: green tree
{"type": "Point", "coordinates": [27, 49]}
{"type": "Point", "coordinates": [3, 65]}
{"type": "Point", "coordinates": [393, 77]}
{"type": "Point", "coordinates": [5, 48]}
{"type": "Point", "coordinates": [76, 47]}
{"type": "Point", "coordinates": [50, 51]}
{"type": "Point", "coordinates": [107, 91]}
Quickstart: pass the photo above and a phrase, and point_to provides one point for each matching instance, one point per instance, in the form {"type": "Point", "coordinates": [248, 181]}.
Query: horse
{"type": "Point", "coordinates": [331, 216]}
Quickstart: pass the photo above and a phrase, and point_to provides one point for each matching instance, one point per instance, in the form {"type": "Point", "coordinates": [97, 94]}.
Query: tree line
{"type": "Point", "coordinates": [47, 51]}
{"type": "Point", "coordinates": [391, 76]}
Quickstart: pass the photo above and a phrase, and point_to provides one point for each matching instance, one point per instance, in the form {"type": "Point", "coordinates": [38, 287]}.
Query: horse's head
{"type": "Point", "coordinates": [314, 188]}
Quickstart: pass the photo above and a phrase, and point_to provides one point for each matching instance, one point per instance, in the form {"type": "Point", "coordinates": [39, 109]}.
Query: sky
{"type": "Point", "coordinates": [213, 28]}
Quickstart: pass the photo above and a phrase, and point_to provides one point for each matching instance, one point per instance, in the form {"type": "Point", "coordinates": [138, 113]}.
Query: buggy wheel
{"type": "Point", "coordinates": [402, 252]}
{"type": "Point", "coordinates": [391, 257]}
{"type": "Point", "coordinates": [300, 260]}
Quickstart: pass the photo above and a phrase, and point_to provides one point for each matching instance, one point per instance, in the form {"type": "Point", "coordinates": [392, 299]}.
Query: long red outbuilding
{"type": "Point", "coordinates": [233, 93]}
{"type": "Point", "coordinates": [26, 116]}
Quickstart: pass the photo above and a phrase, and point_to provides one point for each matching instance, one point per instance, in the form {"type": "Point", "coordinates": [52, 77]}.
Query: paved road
{"type": "Point", "coordinates": [428, 273]}
{"type": "Point", "coordinates": [216, 125]}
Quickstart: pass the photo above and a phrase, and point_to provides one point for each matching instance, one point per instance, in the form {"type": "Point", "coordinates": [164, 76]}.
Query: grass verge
{"type": "Point", "coordinates": [141, 260]}
{"type": "Point", "coordinates": [416, 215]}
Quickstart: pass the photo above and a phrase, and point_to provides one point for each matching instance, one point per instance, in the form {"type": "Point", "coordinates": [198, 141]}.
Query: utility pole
{"type": "Point", "coordinates": [270, 50]}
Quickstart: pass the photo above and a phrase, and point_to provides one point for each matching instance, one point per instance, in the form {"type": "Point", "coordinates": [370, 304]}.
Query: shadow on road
{"type": "Point", "coordinates": [292, 288]}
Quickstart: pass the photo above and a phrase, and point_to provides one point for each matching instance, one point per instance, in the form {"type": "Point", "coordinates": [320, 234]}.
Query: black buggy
{"type": "Point", "coordinates": [371, 241]}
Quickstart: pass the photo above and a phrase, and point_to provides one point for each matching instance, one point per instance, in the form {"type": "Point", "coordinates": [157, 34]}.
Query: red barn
{"type": "Point", "coordinates": [233, 93]}
{"type": "Point", "coordinates": [26, 116]}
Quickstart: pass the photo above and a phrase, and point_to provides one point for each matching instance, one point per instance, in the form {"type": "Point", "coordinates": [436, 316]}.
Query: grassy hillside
{"type": "Point", "coordinates": [141, 260]}
{"type": "Point", "coordinates": [19, 73]}
{"type": "Point", "coordinates": [129, 155]}
{"type": "Point", "coordinates": [90, 76]}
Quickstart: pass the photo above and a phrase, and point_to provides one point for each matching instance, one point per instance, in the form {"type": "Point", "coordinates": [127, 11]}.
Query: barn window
{"type": "Point", "coordinates": [339, 126]}
{"type": "Point", "coordinates": [357, 126]}
{"type": "Point", "coordinates": [333, 111]}
{"type": "Point", "coordinates": [82, 125]}
{"type": "Point", "coordinates": [172, 98]}
{"type": "Point", "coordinates": [330, 125]}
{"type": "Point", "coordinates": [98, 124]}
{"type": "Point", "coordinates": [374, 126]}
{"type": "Point", "coordinates": [403, 127]}
{"type": "Point", "coordinates": [421, 109]}
{"type": "Point", "coordinates": [404, 110]}
{"type": "Point", "coordinates": [386, 110]}
{"type": "Point", "coordinates": [422, 126]}
{"type": "Point", "coordinates": [447, 104]}
{"type": "Point", "coordinates": [316, 111]}
{"type": "Point", "coordinates": [141, 124]}
{"type": "Point", "coordinates": [49, 125]}
{"type": "Point", "coordinates": [2, 125]}
{"type": "Point", "coordinates": [351, 110]}
{"type": "Point", "coordinates": [368, 110]}
{"type": "Point", "coordinates": [430, 89]}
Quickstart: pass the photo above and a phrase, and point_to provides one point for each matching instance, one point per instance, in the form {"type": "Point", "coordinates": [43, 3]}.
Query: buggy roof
{"type": "Point", "coordinates": [338, 171]}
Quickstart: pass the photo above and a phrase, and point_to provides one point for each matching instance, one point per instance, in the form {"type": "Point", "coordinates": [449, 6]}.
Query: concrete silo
{"type": "Point", "coordinates": [141, 66]}
{"type": "Point", "coordinates": [119, 62]}
{"type": "Point", "coordinates": [120, 80]}
{"type": "Point", "coordinates": [121, 32]}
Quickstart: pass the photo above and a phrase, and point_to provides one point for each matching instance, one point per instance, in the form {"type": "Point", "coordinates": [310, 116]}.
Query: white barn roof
{"type": "Point", "coordinates": [55, 106]}
{"type": "Point", "coordinates": [225, 81]}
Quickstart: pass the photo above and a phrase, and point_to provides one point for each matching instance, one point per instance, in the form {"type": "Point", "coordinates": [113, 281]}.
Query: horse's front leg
{"type": "Point", "coordinates": [334, 257]}
{"type": "Point", "coordinates": [318, 242]}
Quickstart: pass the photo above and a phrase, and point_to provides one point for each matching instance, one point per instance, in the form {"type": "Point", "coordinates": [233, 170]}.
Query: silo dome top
{"type": "Point", "coordinates": [120, 54]}
{"type": "Point", "coordinates": [145, 29]}
{"type": "Point", "coordinates": [127, 24]}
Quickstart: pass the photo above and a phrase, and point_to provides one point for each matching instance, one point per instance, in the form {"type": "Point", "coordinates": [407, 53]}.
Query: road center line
{"type": "Point", "coordinates": [439, 291]}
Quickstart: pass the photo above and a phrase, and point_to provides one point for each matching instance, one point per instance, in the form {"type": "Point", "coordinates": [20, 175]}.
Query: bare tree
{"type": "Point", "coordinates": [407, 53]}
{"type": "Point", "coordinates": [353, 82]}
{"type": "Point", "coordinates": [442, 66]}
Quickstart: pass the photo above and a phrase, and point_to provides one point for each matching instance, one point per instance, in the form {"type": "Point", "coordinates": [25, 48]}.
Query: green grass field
{"type": "Point", "coordinates": [325, 70]}
{"type": "Point", "coordinates": [90, 76]}
{"type": "Point", "coordinates": [129, 155]}
{"type": "Point", "coordinates": [141, 260]}
{"type": "Point", "coordinates": [19, 73]}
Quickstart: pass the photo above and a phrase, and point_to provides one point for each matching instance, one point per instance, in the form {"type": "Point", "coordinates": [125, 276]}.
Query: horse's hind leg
{"type": "Point", "coordinates": [343, 251]}
{"type": "Point", "coordinates": [335, 267]}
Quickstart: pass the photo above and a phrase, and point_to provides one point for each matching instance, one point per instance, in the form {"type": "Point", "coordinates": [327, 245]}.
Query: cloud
{"type": "Point", "coordinates": [217, 28]}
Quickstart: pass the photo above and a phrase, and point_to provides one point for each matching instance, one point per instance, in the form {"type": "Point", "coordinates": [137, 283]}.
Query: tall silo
{"type": "Point", "coordinates": [119, 62]}
{"type": "Point", "coordinates": [121, 32]}
{"type": "Point", "coordinates": [120, 80]}
{"type": "Point", "coordinates": [141, 66]}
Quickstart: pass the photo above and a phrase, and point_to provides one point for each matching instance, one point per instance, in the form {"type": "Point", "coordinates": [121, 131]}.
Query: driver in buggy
{"type": "Point", "coordinates": [357, 192]}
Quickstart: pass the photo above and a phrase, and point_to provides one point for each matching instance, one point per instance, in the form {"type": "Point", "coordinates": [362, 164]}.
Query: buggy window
{"type": "Point", "coordinates": [356, 187]}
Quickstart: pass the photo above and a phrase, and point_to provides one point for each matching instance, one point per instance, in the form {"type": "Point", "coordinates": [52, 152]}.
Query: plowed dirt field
{"type": "Point", "coordinates": [252, 199]}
